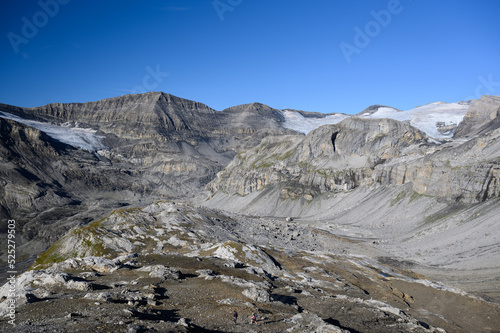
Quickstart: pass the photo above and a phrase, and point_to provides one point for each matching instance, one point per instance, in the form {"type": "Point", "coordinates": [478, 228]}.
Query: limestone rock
{"type": "Point", "coordinates": [331, 158]}
{"type": "Point", "coordinates": [163, 272]}
{"type": "Point", "coordinates": [364, 152]}
{"type": "Point", "coordinates": [483, 115]}
{"type": "Point", "coordinates": [257, 294]}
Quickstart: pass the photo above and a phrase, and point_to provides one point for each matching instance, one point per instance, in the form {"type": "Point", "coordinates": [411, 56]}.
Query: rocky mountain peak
{"type": "Point", "coordinates": [483, 115]}
{"type": "Point", "coordinates": [377, 138]}
{"type": "Point", "coordinates": [374, 108]}
{"type": "Point", "coordinates": [229, 209]}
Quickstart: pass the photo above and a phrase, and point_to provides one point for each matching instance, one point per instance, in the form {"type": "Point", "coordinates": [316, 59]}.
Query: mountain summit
{"type": "Point", "coordinates": [167, 213]}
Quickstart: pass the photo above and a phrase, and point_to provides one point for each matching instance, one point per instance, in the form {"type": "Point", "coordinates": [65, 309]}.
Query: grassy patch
{"type": "Point", "coordinates": [415, 196]}
{"type": "Point", "coordinates": [85, 240]}
{"type": "Point", "coordinates": [49, 257]}
{"type": "Point", "coordinates": [442, 215]}
{"type": "Point", "coordinates": [401, 195]}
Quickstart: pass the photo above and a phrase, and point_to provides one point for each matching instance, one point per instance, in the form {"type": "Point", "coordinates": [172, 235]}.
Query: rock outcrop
{"type": "Point", "coordinates": [366, 152]}
{"type": "Point", "coordinates": [482, 116]}
{"type": "Point", "coordinates": [331, 158]}
{"type": "Point", "coordinates": [179, 141]}
{"type": "Point", "coordinates": [157, 145]}
{"type": "Point", "coordinates": [179, 275]}
{"type": "Point", "coordinates": [333, 219]}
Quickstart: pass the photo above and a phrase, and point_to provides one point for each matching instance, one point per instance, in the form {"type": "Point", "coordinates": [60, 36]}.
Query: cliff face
{"type": "Point", "coordinates": [363, 152]}
{"type": "Point", "coordinates": [482, 116]}
{"type": "Point", "coordinates": [157, 116]}
{"type": "Point", "coordinates": [135, 115]}
{"type": "Point", "coordinates": [332, 158]}
{"type": "Point", "coordinates": [156, 145]}
{"type": "Point", "coordinates": [163, 135]}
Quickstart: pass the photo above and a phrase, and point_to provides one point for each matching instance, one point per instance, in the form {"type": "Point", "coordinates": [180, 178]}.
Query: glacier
{"type": "Point", "coordinates": [425, 118]}
{"type": "Point", "coordinates": [85, 138]}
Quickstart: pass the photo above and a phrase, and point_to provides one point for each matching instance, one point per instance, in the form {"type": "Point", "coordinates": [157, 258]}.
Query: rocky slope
{"type": "Point", "coordinates": [366, 152]}
{"type": "Point", "coordinates": [482, 116]}
{"type": "Point", "coordinates": [48, 187]}
{"type": "Point", "coordinates": [150, 146]}
{"type": "Point", "coordinates": [171, 267]}
{"type": "Point", "coordinates": [433, 203]}
{"type": "Point", "coordinates": [370, 199]}
{"type": "Point", "coordinates": [331, 158]}
{"type": "Point", "coordinates": [182, 140]}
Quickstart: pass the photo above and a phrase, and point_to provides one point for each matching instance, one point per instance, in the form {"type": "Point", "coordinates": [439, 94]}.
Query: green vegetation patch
{"type": "Point", "coordinates": [442, 214]}
{"type": "Point", "coordinates": [401, 195]}
{"type": "Point", "coordinates": [86, 243]}
{"type": "Point", "coordinates": [49, 257]}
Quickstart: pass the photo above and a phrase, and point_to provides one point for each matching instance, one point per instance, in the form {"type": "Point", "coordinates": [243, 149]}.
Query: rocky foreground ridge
{"type": "Point", "coordinates": [170, 267]}
{"type": "Point", "coordinates": [327, 232]}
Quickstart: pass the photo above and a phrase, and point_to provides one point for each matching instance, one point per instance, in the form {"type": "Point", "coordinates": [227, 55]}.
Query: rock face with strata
{"type": "Point", "coordinates": [332, 221]}
{"type": "Point", "coordinates": [157, 145]}
{"type": "Point", "coordinates": [331, 158]}
{"type": "Point", "coordinates": [178, 141]}
{"type": "Point", "coordinates": [482, 116]}
{"type": "Point", "coordinates": [366, 152]}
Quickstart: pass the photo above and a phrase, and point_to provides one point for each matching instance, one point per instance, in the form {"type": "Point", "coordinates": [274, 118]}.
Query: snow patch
{"type": "Point", "coordinates": [297, 122]}
{"type": "Point", "coordinates": [85, 138]}
{"type": "Point", "coordinates": [427, 118]}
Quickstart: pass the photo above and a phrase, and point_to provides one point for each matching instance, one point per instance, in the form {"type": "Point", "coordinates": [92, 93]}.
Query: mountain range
{"type": "Point", "coordinates": [410, 192]}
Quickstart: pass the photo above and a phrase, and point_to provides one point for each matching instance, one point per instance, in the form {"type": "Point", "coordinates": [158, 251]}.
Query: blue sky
{"type": "Point", "coordinates": [318, 55]}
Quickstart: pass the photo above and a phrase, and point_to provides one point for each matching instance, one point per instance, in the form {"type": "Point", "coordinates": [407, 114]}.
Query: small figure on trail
{"type": "Point", "coordinates": [235, 316]}
{"type": "Point", "coordinates": [253, 319]}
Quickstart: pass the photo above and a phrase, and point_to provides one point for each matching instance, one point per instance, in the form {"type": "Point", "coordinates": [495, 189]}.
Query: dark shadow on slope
{"type": "Point", "coordinates": [166, 315]}
{"type": "Point", "coordinates": [289, 300]}
{"type": "Point", "coordinates": [335, 322]}
{"type": "Point", "coordinates": [334, 137]}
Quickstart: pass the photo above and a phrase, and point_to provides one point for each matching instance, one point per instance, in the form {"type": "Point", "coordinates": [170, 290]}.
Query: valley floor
{"type": "Point", "coordinates": [190, 268]}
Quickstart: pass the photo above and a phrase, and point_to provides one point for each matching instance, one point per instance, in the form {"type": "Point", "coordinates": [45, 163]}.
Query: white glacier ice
{"type": "Point", "coordinates": [426, 118]}
{"type": "Point", "coordinates": [85, 138]}
{"type": "Point", "coordinates": [297, 122]}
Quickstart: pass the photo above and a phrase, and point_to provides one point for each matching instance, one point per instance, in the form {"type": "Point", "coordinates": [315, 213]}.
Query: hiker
{"type": "Point", "coordinates": [253, 319]}
{"type": "Point", "coordinates": [235, 316]}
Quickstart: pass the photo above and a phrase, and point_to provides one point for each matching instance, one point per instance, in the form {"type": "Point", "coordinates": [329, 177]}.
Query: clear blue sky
{"type": "Point", "coordinates": [307, 55]}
